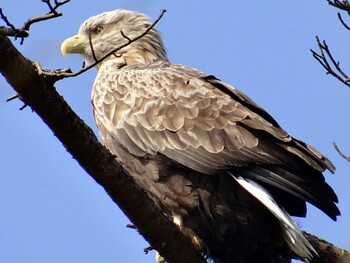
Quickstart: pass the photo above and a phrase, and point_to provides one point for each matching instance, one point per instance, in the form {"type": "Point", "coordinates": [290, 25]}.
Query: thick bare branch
{"type": "Point", "coordinates": [80, 141]}
{"type": "Point", "coordinates": [328, 253]}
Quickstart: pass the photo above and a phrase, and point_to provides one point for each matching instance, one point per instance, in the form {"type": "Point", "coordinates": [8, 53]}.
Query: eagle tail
{"type": "Point", "coordinates": [291, 232]}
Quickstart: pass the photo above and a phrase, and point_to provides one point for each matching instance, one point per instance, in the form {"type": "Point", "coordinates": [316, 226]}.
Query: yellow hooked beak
{"type": "Point", "coordinates": [74, 45]}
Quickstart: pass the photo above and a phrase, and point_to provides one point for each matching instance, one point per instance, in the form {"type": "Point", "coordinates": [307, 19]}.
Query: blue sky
{"type": "Point", "coordinates": [52, 211]}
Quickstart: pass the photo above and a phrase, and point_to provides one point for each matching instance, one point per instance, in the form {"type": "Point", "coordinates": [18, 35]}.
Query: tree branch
{"type": "Point", "coordinates": [23, 32]}
{"type": "Point", "coordinates": [80, 141]}
{"type": "Point", "coordinates": [342, 22]}
{"type": "Point", "coordinates": [340, 152]}
{"type": "Point", "coordinates": [328, 253]}
{"type": "Point", "coordinates": [324, 56]}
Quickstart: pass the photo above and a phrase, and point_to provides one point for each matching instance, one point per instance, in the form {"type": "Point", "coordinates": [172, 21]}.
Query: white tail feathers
{"type": "Point", "coordinates": [292, 234]}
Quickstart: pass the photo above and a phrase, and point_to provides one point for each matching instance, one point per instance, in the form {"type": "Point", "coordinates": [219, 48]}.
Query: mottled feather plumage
{"type": "Point", "coordinates": [187, 138]}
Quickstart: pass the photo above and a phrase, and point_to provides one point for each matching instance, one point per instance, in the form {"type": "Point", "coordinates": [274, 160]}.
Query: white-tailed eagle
{"type": "Point", "coordinates": [215, 163]}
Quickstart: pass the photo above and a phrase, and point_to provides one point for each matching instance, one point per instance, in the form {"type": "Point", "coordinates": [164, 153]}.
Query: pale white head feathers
{"type": "Point", "coordinates": [102, 33]}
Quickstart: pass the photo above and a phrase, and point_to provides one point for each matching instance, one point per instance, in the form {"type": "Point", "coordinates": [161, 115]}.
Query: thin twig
{"type": "Point", "coordinates": [323, 58]}
{"type": "Point", "coordinates": [17, 96]}
{"type": "Point", "coordinates": [342, 21]}
{"type": "Point", "coordinates": [92, 48]}
{"type": "Point", "coordinates": [340, 152]}
{"type": "Point", "coordinates": [6, 20]}
{"type": "Point", "coordinates": [11, 30]}
{"type": "Point", "coordinates": [13, 98]}
{"type": "Point", "coordinates": [124, 36]}
{"type": "Point", "coordinates": [23, 107]}
{"type": "Point", "coordinates": [148, 249]}
{"type": "Point", "coordinates": [57, 77]}
{"type": "Point", "coordinates": [48, 2]}
{"type": "Point", "coordinates": [132, 226]}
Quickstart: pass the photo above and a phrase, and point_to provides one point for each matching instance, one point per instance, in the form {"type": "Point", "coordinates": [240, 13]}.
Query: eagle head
{"type": "Point", "coordinates": [105, 32]}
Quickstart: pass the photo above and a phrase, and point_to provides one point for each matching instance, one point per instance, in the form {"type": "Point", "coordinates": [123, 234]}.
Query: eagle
{"type": "Point", "coordinates": [212, 160]}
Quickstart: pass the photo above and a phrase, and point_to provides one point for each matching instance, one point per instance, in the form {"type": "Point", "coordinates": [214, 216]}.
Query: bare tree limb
{"type": "Point", "coordinates": [323, 58]}
{"type": "Point", "coordinates": [23, 32]}
{"type": "Point", "coordinates": [328, 253]}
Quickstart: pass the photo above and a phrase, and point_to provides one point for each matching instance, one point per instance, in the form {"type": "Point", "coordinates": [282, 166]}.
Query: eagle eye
{"type": "Point", "coordinates": [97, 30]}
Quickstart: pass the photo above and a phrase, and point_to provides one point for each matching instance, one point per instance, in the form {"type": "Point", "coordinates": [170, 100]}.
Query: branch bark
{"type": "Point", "coordinates": [328, 253]}
{"type": "Point", "coordinates": [38, 92]}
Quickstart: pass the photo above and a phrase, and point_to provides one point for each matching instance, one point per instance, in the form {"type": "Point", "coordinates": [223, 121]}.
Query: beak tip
{"type": "Point", "coordinates": [64, 49]}
{"type": "Point", "coordinates": [64, 53]}
{"type": "Point", "coordinates": [73, 45]}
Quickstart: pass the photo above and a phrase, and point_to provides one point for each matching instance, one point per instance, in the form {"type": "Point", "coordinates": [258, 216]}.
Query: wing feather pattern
{"type": "Point", "coordinates": [207, 125]}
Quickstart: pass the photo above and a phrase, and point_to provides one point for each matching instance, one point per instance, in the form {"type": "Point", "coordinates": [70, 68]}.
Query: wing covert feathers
{"type": "Point", "coordinates": [170, 109]}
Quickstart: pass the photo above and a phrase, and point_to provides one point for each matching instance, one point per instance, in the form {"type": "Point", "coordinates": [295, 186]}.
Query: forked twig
{"type": "Point", "coordinates": [52, 14]}
{"type": "Point", "coordinates": [323, 58]}
{"type": "Point", "coordinates": [58, 76]}
{"type": "Point", "coordinates": [17, 96]}
{"type": "Point", "coordinates": [23, 32]}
